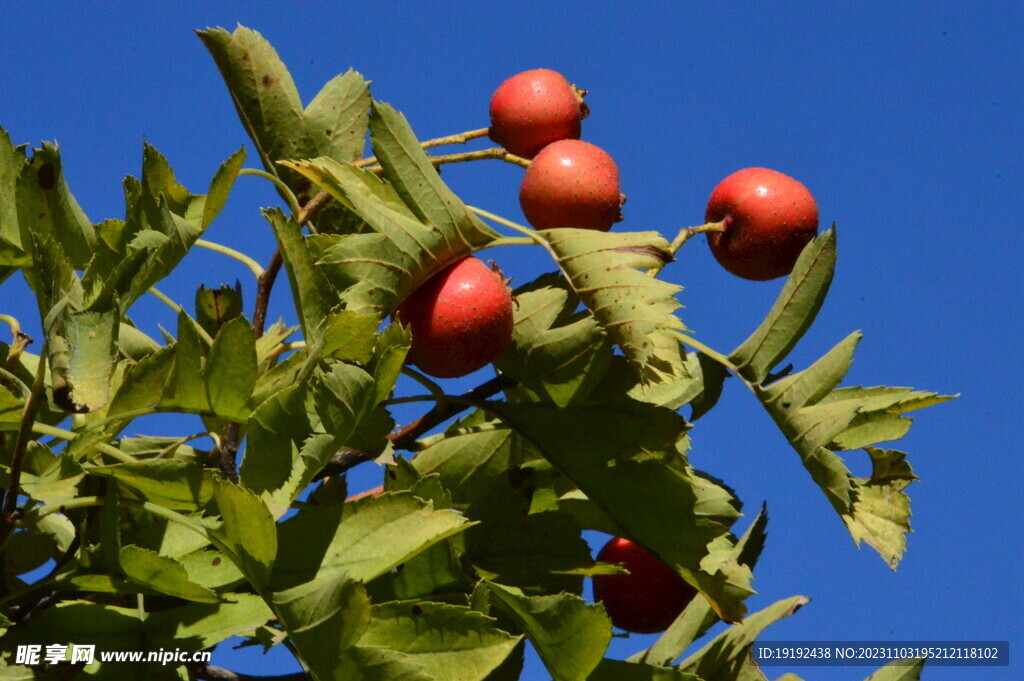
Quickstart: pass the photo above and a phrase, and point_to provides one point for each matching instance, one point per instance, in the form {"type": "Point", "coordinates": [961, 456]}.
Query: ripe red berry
{"type": "Point", "coordinates": [461, 319]}
{"type": "Point", "coordinates": [571, 184]}
{"type": "Point", "coordinates": [649, 598]}
{"type": "Point", "coordinates": [535, 108]}
{"type": "Point", "coordinates": [769, 218]}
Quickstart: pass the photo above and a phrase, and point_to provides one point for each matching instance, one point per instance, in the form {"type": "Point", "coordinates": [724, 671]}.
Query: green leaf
{"type": "Point", "coordinates": [263, 91]}
{"type": "Point", "coordinates": [198, 626]}
{"type": "Point", "coordinates": [313, 295]}
{"type": "Point", "coordinates": [793, 312]}
{"type": "Point", "coordinates": [419, 226]}
{"type": "Point", "coordinates": [698, 617]}
{"type": "Point", "coordinates": [323, 618]}
{"type": "Point", "coordinates": [276, 430]}
{"type": "Point", "coordinates": [215, 307]}
{"type": "Point", "coordinates": [392, 346]}
{"type": "Point", "coordinates": [211, 569]}
{"type": "Point", "coordinates": [363, 538]}
{"type": "Point", "coordinates": [538, 552]}
{"type": "Point", "coordinates": [83, 351]}
{"type": "Point", "coordinates": [569, 635]}
{"type": "Point", "coordinates": [636, 311]}
{"type": "Point", "coordinates": [143, 382]}
{"type": "Point", "coordinates": [615, 670]}
{"type": "Point", "coordinates": [163, 574]}
{"type": "Point", "coordinates": [57, 484]}
{"type": "Point", "coordinates": [469, 463]}
{"type": "Point", "coordinates": [817, 417]}
{"type": "Point", "coordinates": [554, 350]}
{"type": "Point", "coordinates": [48, 211]}
{"type": "Point", "coordinates": [12, 160]}
{"type": "Point", "coordinates": [881, 510]}
{"type": "Point", "coordinates": [727, 654]}
{"type": "Point", "coordinates": [220, 187]}
{"type": "Point", "coordinates": [172, 483]}
{"type": "Point", "coordinates": [268, 104]}
{"type": "Point", "coordinates": [448, 642]}
{"type": "Point", "coordinates": [231, 370]}
{"type": "Point", "coordinates": [344, 398]}
{"type": "Point", "coordinates": [623, 456]}
{"type": "Point", "coordinates": [349, 336]}
{"type": "Point", "coordinates": [338, 116]}
{"type": "Point", "coordinates": [185, 388]}
{"type": "Point", "coordinates": [247, 533]}
{"type": "Point", "coordinates": [907, 669]}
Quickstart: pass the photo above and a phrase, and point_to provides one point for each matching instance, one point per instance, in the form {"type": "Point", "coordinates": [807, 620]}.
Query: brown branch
{"type": "Point", "coordinates": [263, 288]}
{"type": "Point", "coordinates": [405, 437]}
{"type": "Point", "coordinates": [208, 672]}
{"type": "Point", "coordinates": [28, 418]}
{"type": "Point", "coordinates": [227, 452]}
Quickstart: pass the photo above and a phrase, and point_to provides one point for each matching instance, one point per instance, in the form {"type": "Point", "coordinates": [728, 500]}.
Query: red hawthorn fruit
{"type": "Point", "coordinates": [649, 598]}
{"type": "Point", "coordinates": [769, 218]}
{"type": "Point", "coordinates": [535, 108]}
{"type": "Point", "coordinates": [571, 184]}
{"type": "Point", "coordinates": [461, 319]}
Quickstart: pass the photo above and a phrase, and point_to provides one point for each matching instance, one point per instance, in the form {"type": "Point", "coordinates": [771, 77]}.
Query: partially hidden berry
{"type": "Point", "coordinates": [535, 108]}
{"type": "Point", "coordinates": [572, 184]}
{"type": "Point", "coordinates": [769, 218]}
{"type": "Point", "coordinates": [461, 319]}
{"type": "Point", "coordinates": [649, 598]}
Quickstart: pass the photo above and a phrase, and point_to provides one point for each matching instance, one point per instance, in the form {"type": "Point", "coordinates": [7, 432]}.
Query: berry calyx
{"type": "Point", "coordinates": [535, 108]}
{"type": "Point", "coordinates": [572, 184]}
{"type": "Point", "coordinates": [768, 218]}
{"type": "Point", "coordinates": [461, 319]}
{"type": "Point", "coordinates": [649, 598]}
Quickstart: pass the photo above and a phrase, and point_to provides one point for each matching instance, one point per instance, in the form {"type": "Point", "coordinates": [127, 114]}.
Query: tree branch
{"type": "Point", "coordinates": [28, 418]}
{"type": "Point", "coordinates": [208, 672]}
{"type": "Point", "coordinates": [264, 285]}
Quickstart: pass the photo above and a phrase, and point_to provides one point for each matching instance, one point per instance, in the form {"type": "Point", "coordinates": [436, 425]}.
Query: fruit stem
{"type": "Point", "coordinates": [286, 192]}
{"type": "Point", "coordinates": [457, 138]}
{"type": "Point", "coordinates": [685, 234]}
{"type": "Point", "coordinates": [493, 152]}
{"type": "Point", "coordinates": [522, 229]}
{"type": "Point", "coordinates": [253, 266]}
{"type": "Point", "coordinates": [713, 354]}
{"type": "Point", "coordinates": [512, 241]}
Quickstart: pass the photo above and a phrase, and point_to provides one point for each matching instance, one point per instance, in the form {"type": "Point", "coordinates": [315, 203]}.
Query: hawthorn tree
{"type": "Point", "coordinates": [472, 547]}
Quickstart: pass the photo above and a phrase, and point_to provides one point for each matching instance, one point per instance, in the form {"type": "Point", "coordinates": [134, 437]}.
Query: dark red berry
{"type": "Point", "coordinates": [769, 218]}
{"type": "Point", "coordinates": [649, 598]}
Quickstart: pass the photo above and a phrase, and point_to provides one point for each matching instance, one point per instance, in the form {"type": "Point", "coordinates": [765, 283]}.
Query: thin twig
{"type": "Point", "coordinates": [28, 418]}
{"type": "Point", "coordinates": [322, 198]}
{"type": "Point", "coordinates": [263, 288]}
{"type": "Point", "coordinates": [405, 437]}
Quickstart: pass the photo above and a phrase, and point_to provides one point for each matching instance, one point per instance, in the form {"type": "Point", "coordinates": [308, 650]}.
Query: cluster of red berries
{"type": "Point", "coordinates": [461, 318]}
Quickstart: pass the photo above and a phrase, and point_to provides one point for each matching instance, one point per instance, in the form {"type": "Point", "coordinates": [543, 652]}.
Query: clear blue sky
{"type": "Point", "coordinates": [904, 119]}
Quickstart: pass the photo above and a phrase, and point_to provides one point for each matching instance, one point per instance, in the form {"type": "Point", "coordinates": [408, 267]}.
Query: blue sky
{"type": "Point", "coordinates": [904, 120]}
